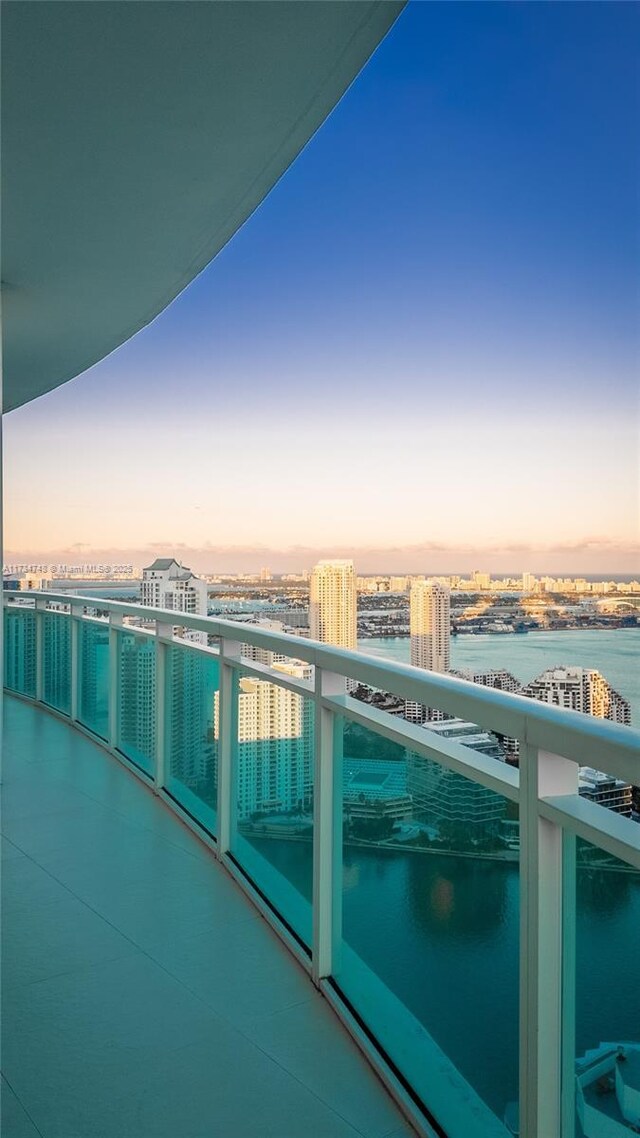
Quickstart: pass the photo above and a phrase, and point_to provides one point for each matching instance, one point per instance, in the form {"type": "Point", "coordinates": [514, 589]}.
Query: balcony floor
{"type": "Point", "coordinates": [143, 995]}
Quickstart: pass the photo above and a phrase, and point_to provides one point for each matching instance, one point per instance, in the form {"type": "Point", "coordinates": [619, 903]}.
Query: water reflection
{"type": "Point", "coordinates": [442, 933]}
{"type": "Point", "coordinates": [456, 896]}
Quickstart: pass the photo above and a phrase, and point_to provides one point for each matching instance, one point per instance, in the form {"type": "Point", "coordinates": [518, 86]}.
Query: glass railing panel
{"type": "Point", "coordinates": [428, 948]}
{"type": "Point", "coordinates": [56, 647]}
{"type": "Point", "coordinates": [272, 836]}
{"type": "Point", "coordinates": [20, 650]}
{"type": "Point", "coordinates": [93, 696]}
{"type": "Point", "coordinates": [607, 994]}
{"type": "Point", "coordinates": [136, 736]}
{"type": "Point", "coordinates": [191, 761]}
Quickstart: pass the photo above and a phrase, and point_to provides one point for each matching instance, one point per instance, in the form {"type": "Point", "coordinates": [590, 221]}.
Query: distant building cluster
{"type": "Point", "coordinates": [482, 582]}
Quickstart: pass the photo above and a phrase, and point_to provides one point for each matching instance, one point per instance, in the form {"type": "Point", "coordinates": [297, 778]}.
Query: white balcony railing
{"type": "Point", "coordinates": [181, 715]}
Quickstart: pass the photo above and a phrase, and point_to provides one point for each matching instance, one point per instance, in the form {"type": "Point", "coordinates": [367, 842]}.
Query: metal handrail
{"type": "Point", "coordinates": [582, 739]}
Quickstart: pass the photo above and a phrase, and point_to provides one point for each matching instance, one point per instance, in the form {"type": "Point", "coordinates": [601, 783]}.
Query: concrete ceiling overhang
{"type": "Point", "coordinates": [137, 136]}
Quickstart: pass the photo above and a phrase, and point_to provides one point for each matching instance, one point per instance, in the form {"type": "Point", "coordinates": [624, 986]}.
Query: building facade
{"type": "Point", "coordinates": [447, 800]}
{"type": "Point", "coordinates": [430, 630]}
{"type": "Point", "coordinates": [168, 585]}
{"type": "Point", "coordinates": [190, 679]}
{"type": "Point", "coordinates": [275, 744]}
{"type": "Point", "coordinates": [580, 689]}
{"type": "Point", "coordinates": [333, 604]}
{"type": "Point", "coordinates": [606, 791]}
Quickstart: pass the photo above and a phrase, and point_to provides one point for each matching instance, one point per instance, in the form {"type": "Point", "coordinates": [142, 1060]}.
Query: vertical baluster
{"type": "Point", "coordinates": [568, 1074]}
{"type": "Point", "coordinates": [227, 742]}
{"type": "Point", "coordinates": [75, 616]}
{"type": "Point", "coordinates": [327, 829]}
{"type": "Point", "coordinates": [541, 943]}
{"type": "Point", "coordinates": [115, 623]}
{"type": "Point", "coordinates": [40, 606]}
{"type": "Point", "coordinates": [164, 632]}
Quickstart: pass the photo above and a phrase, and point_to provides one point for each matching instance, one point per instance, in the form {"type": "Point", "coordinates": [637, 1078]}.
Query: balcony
{"type": "Point", "coordinates": [153, 819]}
{"type": "Point", "coordinates": [143, 994]}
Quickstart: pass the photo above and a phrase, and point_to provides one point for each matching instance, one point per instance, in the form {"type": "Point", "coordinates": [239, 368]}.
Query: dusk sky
{"type": "Point", "coordinates": [420, 351]}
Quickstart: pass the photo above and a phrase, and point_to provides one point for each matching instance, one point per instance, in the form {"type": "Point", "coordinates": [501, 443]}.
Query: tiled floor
{"type": "Point", "coordinates": [143, 995]}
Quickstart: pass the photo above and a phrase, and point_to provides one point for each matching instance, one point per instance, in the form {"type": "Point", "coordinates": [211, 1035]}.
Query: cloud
{"type": "Point", "coordinates": [590, 554]}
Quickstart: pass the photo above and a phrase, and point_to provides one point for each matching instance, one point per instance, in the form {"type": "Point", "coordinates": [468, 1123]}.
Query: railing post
{"type": "Point", "coordinates": [115, 623]}
{"type": "Point", "coordinates": [327, 830]}
{"type": "Point", "coordinates": [230, 651]}
{"type": "Point", "coordinates": [163, 632]}
{"type": "Point", "coordinates": [75, 616]}
{"type": "Point", "coordinates": [40, 606]}
{"type": "Point", "coordinates": [541, 943]}
{"type": "Point", "coordinates": [568, 1088]}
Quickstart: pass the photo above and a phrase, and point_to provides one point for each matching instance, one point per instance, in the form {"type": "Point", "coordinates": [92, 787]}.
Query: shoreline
{"type": "Point", "coordinates": [380, 635]}
{"type": "Point", "coordinates": [506, 857]}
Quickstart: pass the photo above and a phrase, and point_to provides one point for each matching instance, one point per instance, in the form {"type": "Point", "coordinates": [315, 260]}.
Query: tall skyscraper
{"type": "Point", "coordinates": [333, 604]}
{"type": "Point", "coordinates": [430, 628]}
{"type": "Point", "coordinates": [168, 585]}
{"type": "Point", "coordinates": [191, 757]}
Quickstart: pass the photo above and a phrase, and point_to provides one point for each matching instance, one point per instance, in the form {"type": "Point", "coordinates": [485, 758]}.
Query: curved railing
{"type": "Point", "coordinates": [445, 902]}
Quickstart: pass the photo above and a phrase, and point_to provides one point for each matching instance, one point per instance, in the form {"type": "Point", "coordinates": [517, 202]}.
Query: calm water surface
{"type": "Point", "coordinates": [442, 933]}
{"type": "Point", "coordinates": [614, 652]}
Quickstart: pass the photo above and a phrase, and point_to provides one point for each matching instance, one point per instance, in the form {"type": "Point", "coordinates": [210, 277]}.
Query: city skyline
{"type": "Point", "coordinates": [424, 343]}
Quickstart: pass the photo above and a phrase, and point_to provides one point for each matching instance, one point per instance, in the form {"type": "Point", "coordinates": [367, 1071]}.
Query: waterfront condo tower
{"type": "Point", "coordinates": [333, 603]}
{"type": "Point", "coordinates": [168, 585]}
{"type": "Point", "coordinates": [430, 628]}
{"type": "Point", "coordinates": [581, 689]}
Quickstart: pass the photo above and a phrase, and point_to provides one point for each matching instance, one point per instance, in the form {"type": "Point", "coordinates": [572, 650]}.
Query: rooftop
{"type": "Point", "coordinates": [143, 993]}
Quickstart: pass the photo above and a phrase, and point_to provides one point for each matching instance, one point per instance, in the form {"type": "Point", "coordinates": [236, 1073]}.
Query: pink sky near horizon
{"type": "Point", "coordinates": [592, 556]}
{"type": "Point", "coordinates": [464, 491]}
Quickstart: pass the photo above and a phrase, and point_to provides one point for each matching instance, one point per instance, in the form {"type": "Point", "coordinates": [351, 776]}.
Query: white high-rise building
{"type": "Point", "coordinates": [275, 744]}
{"type": "Point", "coordinates": [430, 629]}
{"type": "Point", "coordinates": [168, 585]}
{"type": "Point", "coordinates": [333, 604]}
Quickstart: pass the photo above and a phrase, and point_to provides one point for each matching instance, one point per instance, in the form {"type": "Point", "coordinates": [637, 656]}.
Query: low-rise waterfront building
{"type": "Point", "coordinates": [443, 797]}
{"type": "Point", "coordinates": [580, 689]}
{"type": "Point", "coordinates": [606, 790]}
{"type": "Point", "coordinates": [375, 789]}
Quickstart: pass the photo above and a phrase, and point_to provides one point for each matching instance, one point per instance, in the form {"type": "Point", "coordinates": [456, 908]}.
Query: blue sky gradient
{"type": "Point", "coordinates": [436, 309]}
